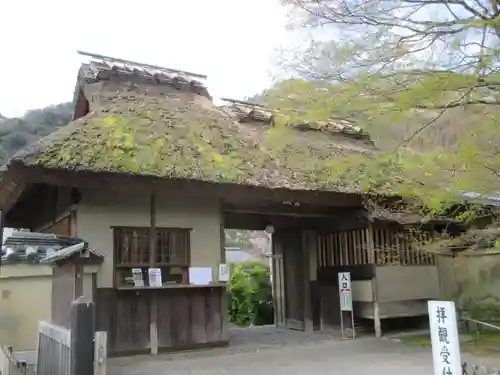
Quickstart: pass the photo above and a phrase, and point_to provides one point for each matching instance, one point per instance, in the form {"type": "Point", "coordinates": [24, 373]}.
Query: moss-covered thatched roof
{"type": "Point", "coordinates": [132, 129]}
{"type": "Point", "coordinates": [472, 242]}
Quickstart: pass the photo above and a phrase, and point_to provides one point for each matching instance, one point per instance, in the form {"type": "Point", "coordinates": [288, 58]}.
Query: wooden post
{"type": "Point", "coordinates": [153, 325]}
{"type": "Point", "coordinates": [222, 235]}
{"type": "Point", "coordinates": [100, 352]}
{"type": "Point", "coordinates": [306, 272]}
{"type": "Point", "coordinates": [82, 337]}
{"type": "Point", "coordinates": [372, 258]}
{"type": "Point", "coordinates": [78, 275]}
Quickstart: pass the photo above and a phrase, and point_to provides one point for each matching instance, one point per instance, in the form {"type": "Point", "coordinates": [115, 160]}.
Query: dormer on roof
{"type": "Point", "coordinates": [115, 73]}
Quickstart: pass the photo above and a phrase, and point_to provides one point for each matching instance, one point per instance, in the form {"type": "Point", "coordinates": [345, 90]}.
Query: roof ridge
{"type": "Point", "coordinates": [142, 65]}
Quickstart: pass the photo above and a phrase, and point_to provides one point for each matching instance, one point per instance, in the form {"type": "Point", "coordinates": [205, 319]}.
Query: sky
{"type": "Point", "coordinates": [231, 41]}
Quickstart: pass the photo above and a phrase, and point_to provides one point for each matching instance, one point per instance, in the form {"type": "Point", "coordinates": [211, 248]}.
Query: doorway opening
{"type": "Point", "coordinates": [249, 256]}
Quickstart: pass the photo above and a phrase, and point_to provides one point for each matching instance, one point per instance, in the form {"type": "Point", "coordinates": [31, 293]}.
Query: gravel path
{"type": "Point", "coordinates": [265, 351]}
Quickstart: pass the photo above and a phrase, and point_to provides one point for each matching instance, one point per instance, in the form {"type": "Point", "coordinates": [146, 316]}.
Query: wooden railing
{"type": "Point", "coordinates": [54, 350]}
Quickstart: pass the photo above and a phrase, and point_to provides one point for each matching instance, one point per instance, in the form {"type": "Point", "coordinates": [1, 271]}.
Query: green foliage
{"type": "Point", "coordinates": [430, 164]}
{"type": "Point", "coordinates": [482, 301]}
{"type": "Point", "coordinates": [16, 133]}
{"type": "Point", "coordinates": [250, 294]}
{"type": "Point", "coordinates": [405, 72]}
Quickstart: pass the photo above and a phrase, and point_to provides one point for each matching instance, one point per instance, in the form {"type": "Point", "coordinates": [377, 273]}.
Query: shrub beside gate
{"type": "Point", "coordinates": [250, 294]}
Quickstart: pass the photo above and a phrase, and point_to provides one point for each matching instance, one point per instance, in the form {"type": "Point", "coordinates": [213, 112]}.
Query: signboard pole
{"type": "Point", "coordinates": [444, 338]}
{"type": "Point", "coordinates": [345, 296]}
{"type": "Point", "coordinates": [352, 325]}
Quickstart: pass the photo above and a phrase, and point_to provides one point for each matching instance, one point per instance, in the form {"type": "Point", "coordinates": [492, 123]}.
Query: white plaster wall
{"type": "Point", "coordinates": [99, 211]}
{"type": "Point", "coordinates": [400, 283]}
{"type": "Point", "coordinates": [26, 299]}
{"type": "Point", "coordinates": [362, 291]}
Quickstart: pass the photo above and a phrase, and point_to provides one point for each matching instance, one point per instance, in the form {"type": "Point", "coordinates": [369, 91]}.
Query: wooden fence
{"type": "Point", "coordinates": [11, 366]}
{"type": "Point", "coordinates": [54, 350]}
{"type": "Point", "coordinates": [468, 369]}
{"type": "Point", "coordinates": [72, 351]}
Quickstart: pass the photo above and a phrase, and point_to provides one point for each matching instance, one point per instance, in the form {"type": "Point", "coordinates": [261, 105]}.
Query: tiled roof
{"type": "Point", "coordinates": [100, 65]}
{"type": "Point", "coordinates": [32, 247]}
{"type": "Point", "coordinates": [56, 256]}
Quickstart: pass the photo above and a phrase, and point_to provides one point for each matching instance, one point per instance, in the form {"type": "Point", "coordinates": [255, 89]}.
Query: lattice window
{"type": "Point", "coordinates": [346, 248]}
{"type": "Point", "coordinates": [171, 253]}
{"type": "Point", "coordinates": [397, 248]}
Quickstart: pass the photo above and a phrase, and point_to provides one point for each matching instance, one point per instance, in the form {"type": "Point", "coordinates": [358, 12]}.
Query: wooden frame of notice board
{"type": "Point", "coordinates": [132, 252]}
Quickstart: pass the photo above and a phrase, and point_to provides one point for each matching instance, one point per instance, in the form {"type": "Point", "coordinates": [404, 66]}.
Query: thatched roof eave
{"type": "Point", "coordinates": [133, 132]}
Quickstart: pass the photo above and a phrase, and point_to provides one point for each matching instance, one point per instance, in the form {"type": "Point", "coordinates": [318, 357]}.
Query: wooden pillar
{"type": "Point", "coordinates": [278, 280]}
{"type": "Point", "coordinates": [309, 272]}
{"type": "Point", "coordinates": [225, 294]}
{"type": "Point", "coordinates": [222, 235]}
{"type": "Point", "coordinates": [78, 275]}
{"type": "Point", "coordinates": [371, 256]}
{"type": "Point", "coordinates": [153, 325]}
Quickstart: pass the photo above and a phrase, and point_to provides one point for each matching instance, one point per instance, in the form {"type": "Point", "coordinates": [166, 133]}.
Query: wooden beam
{"type": "Point", "coordinates": [303, 211]}
{"type": "Point", "coordinates": [227, 192]}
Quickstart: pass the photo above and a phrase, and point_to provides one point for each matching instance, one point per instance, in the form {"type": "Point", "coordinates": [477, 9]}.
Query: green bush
{"type": "Point", "coordinates": [250, 294]}
{"type": "Point", "coordinates": [481, 300]}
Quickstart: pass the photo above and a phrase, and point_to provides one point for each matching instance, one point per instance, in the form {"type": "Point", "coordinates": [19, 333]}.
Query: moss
{"type": "Point", "coordinates": [147, 135]}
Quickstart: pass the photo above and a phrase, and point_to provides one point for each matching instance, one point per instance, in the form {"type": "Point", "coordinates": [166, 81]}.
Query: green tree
{"type": "Point", "coordinates": [420, 75]}
{"type": "Point", "coordinates": [16, 133]}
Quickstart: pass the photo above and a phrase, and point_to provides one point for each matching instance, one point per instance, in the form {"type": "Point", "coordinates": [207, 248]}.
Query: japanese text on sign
{"type": "Point", "coordinates": [223, 272]}
{"type": "Point", "coordinates": [345, 292]}
{"type": "Point", "coordinates": [444, 337]}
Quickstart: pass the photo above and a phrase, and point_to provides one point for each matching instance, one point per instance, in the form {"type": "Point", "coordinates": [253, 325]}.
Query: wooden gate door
{"type": "Point", "coordinates": [294, 279]}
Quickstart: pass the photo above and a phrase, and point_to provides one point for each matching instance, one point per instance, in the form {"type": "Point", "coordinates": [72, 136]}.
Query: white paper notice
{"type": "Point", "coordinates": [223, 272]}
{"type": "Point", "coordinates": [137, 277]}
{"type": "Point", "coordinates": [200, 275]}
{"type": "Point", "coordinates": [155, 277]}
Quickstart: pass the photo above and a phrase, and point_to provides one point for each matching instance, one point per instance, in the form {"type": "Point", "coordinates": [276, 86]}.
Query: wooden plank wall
{"type": "Point", "coordinates": [188, 318]}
